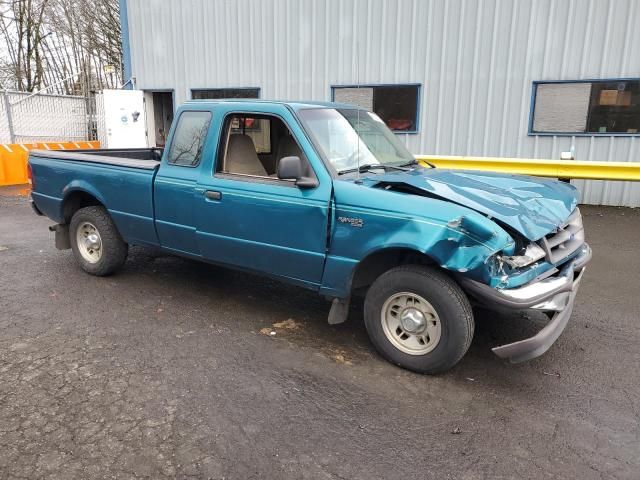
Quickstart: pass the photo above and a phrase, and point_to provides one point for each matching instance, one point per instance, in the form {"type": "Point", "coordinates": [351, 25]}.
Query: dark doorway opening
{"type": "Point", "coordinates": [162, 116]}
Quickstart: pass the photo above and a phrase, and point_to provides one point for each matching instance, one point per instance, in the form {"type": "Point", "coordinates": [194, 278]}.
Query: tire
{"type": "Point", "coordinates": [98, 255]}
{"type": "Point", "coordinates": [419, 318]}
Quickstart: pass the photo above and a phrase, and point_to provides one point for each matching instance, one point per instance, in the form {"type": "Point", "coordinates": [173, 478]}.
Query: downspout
{"type": "Point", "coordinates": [127, 78]}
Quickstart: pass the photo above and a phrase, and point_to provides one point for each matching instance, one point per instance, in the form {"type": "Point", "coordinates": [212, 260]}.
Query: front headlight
{"type": "Point", "coordinates": [532, 254]}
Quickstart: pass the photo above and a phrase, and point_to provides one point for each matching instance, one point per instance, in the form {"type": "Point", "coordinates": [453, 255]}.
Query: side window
{"type": "Point", "coordinates": [396, 105]}
{"type": "Point", "coordinates": [259, 129]}
{"type": "Point", "coordinates": [254, 144]}
{"type": "Point", "coordinates": [217, 93]}
{"type": "Point", "coordinates": [599, 107]}
{"type": "Point", "coordinates": [188, 139]}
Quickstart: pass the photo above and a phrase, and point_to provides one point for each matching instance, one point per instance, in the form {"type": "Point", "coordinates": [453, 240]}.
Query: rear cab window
{"type": "Point", "coordinates": [189, 138]}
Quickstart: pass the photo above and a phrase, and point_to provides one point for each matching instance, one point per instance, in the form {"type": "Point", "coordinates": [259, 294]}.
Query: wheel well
{"type": "Point", "coordinates": [75, 201]}
{"type": "Point", "coordinates": [374, 265]}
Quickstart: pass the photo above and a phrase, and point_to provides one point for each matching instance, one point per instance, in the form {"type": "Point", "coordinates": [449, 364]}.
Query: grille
{"type": "Point", "coordinates": [565, 240]}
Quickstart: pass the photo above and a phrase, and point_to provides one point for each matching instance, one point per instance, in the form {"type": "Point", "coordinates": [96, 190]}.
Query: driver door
{"type": "Point", "coordinates": [247, 217]}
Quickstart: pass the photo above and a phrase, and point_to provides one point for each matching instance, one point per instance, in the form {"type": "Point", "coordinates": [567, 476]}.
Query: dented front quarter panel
{"type": "Point", "coordinates": [371, 219]}
{"type": "Point", "coordinates": [531, 206]}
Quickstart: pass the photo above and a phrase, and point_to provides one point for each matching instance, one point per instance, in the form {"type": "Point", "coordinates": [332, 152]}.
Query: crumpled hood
{"type": "Point", "coordinates": [530, 205]}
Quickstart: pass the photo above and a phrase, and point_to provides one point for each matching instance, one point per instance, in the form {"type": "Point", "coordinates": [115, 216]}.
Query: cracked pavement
{"type": "Point", "coordinates": [169, 369]}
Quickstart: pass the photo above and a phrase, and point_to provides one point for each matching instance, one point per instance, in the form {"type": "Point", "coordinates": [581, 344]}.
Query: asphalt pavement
{"type": "Point", "coordinates": [170, 369]}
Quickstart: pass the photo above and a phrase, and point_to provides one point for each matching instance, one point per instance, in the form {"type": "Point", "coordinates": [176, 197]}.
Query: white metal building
{"type": "Point", "coordinates": [510, 78]}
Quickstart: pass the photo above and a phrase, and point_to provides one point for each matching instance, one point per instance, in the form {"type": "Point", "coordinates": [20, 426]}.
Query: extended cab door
{"type": "Point", "coordinates": [176, 180]}
{"type": "Point", "coordinates": [246, 216]}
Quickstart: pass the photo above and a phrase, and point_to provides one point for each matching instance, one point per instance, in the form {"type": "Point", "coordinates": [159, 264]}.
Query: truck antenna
{"type": "Point", "coordinates": [358, 180]}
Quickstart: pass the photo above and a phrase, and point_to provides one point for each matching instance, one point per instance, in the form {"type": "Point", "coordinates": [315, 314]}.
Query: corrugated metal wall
{"type": "Point", "coordinates": [476, 60]}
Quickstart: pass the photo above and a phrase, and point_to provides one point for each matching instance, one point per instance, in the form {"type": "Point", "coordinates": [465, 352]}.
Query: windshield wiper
{"type": "Point", "coordinates": [371, 166]}
{"type": "Point", "coordinates": [416, 162]}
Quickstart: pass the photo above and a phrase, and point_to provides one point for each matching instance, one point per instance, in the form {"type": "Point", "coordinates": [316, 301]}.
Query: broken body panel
{"type": "Point", "coordinates": [460, 220]}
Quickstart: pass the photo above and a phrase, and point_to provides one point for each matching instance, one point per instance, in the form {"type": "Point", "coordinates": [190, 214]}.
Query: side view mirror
{"type": "Point", "coordinates": [290, 168]}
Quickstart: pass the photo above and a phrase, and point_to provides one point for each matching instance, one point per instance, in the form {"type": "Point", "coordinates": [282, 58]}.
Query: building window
{"type": "Point", "coordinates": [599, 107]}
{"type": "Point", "coordinates": [396, 105]}
{"type": "Point", "coordinates": [188, 139]}
{"type": "Point", "coordinates": [219, 93]}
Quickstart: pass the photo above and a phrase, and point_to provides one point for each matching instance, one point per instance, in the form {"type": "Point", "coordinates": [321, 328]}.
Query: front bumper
{"type": "Point", "coordinates": [554, 294]}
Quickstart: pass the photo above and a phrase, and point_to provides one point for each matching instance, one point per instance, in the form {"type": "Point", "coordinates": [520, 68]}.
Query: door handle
{"type": "Point", "coordinates": [212, 195]}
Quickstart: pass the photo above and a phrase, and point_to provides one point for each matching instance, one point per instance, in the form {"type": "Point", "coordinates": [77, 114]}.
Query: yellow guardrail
{"type": "Point", "coordinates": [13, 157]}
{"type": "Point", "coordinates": [541, 168]}
{"type": "Point", "coordinates": [13, 164]}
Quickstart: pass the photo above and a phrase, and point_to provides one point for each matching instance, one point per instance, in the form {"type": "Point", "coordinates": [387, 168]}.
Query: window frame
{"type": "Point", "coordinates": [532, 108]}
{"type": "Point", "coordinates": [416, 130]}
{"type": "Point", "coordinates": [221, 152]}
{"type": "Point", "coordinates": [175, 130]}
{"type": "Point", "coordinates": [191, 90]}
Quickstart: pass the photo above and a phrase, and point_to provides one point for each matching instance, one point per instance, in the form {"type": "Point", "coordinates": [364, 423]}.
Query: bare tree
{"type": "Point", "coordinates": [72, 46]}
{"type": "Point", "coordinates": [22, 26]}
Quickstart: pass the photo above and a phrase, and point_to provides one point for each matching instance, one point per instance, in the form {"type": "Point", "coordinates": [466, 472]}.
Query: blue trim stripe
{"type": "Point", "coordinates": [126, 46]}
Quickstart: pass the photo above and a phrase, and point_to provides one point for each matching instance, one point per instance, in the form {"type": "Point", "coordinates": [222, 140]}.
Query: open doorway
{"type": "Point", "coordinates": [159, 105]}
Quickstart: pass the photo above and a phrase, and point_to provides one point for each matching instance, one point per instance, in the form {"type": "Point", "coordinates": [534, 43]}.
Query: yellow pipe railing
{"type": "Point", "coordinates": [13, 160]}
{"type": "Point", "coordinates": [541, 168]}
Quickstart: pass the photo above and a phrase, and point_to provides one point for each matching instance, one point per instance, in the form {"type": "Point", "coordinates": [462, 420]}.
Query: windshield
{"type": "Point", "coordinates": [349, 142]}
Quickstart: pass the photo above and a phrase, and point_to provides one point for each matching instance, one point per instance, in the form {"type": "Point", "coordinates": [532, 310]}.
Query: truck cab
{"type": "Point", "coordinates": [219, 196]}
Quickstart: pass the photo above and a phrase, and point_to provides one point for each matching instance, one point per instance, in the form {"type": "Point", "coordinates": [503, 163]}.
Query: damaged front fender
{"type": "Point", "coordinates": [468, 246]}
{"type": "Point", "coordinates": [455, 237]}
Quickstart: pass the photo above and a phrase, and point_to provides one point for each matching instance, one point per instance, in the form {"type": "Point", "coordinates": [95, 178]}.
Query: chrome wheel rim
{"type": "Point", "coordinates": [411, 323]}
{"type": "Point", "coordinates": [89, 242]}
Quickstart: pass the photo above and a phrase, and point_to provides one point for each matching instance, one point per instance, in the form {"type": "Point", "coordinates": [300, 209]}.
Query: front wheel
{"type": "Point", "coordinates": [419, 318]}
{"type": "Point", "coordinates": [96, 243]}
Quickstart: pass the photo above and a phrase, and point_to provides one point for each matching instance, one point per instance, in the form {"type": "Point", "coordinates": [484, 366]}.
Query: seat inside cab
{"type": "Point", "coordinates": [254, 145]}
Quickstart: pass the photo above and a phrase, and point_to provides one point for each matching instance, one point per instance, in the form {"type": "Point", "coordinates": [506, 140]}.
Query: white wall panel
{"type": "Point", "coordinates": [476, 60]}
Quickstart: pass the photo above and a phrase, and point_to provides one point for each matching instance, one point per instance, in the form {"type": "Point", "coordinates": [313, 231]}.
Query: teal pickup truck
{"type": "Point", "coordinates": [324, 196]}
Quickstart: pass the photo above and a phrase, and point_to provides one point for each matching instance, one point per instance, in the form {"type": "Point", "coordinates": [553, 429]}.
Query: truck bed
{"type": "Point", "coordinates": [121, 180]}
{"type": "Point", "coordinates": [146, 158]}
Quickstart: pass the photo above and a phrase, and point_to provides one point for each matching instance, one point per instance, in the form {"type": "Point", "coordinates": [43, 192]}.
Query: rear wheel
{"type": "Point", "coordinates": [419, 318]}
{"type": "Point", "coordinates": [96, 243]}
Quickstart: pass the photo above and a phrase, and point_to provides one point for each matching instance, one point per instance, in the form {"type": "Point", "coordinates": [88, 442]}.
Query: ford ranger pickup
{"type": "Point", "coordinates": [325, 196]}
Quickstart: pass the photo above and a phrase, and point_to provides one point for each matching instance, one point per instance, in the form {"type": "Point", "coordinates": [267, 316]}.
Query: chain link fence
{"type": "Point", "coordinates": [28, 118]}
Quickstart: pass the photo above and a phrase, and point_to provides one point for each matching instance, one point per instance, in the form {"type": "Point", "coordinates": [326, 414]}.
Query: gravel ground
{"type": "Point", "coordinates": [168, 370]}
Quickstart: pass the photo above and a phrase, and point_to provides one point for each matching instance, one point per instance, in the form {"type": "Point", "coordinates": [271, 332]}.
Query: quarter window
{"type": "Point", "coordinates": [188, 139]}
{"type": "Point", "coordinates": [222, 93]}
{"type": "Point", "coordinates": [596, 107]}
{"type": "Point", "coordinates": [396, 105]}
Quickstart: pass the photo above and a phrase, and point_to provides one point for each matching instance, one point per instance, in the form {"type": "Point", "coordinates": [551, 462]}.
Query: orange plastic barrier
{"type": "Point", "coordinates": [13, 158]}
